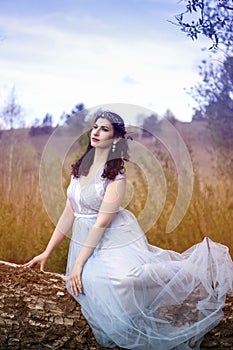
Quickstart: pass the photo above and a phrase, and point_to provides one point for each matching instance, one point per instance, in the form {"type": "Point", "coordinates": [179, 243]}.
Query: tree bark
{"type": "Point", "coordinates": [36, 312]}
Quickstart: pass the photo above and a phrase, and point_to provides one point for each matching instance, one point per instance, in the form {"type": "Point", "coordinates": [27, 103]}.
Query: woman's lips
{"type": "Point", "coordinates": [94, 139]}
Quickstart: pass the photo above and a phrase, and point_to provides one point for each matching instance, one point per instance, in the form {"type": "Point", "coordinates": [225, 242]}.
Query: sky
{"type": "Point", "coordinates": [57, 53]}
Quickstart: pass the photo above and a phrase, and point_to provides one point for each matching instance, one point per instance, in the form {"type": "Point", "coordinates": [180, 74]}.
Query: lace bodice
{"type": "Point", "coordinates": [87, 199]}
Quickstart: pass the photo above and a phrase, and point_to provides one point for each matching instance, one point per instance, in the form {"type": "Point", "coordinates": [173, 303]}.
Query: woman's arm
{"type": "Point", "coordinates": [62, 228]}
{"type": "Point", "coordinates": [112, 200]}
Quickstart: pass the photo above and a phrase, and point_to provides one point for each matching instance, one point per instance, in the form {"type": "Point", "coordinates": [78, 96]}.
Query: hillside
{"type": "Point", "coordinates": [196, 136]}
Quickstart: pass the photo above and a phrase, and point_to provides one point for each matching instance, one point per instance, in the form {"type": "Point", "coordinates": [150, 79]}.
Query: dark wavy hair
{"type": "Point", "coordinates": [115, 161]}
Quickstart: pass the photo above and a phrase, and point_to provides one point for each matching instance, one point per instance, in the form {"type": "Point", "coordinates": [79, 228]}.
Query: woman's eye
{"type": "Point", "coordinates": [102, 128]}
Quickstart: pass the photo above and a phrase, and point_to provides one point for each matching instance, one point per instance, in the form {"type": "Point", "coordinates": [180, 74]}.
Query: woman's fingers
{"type": "Point", "coordinates": [76, 285]}
{"type": "Point", "coordinates": [29, 263]}
{"type": "Point", "coordinates": [76, 280]}
{"type": "Point", "coordinates": [39, 259]}
{"type": "Point", "coordinates": [73, 287]}
{"type": "Point", "coordinates": [80, 287]}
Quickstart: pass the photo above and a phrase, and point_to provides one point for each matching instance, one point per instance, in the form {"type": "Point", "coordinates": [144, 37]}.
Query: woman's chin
{"type": "Point", "coordinates": [93, 144]}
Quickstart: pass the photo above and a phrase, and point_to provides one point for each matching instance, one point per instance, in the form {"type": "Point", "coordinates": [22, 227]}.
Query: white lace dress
{"type": "Point", "coordinates": [138, 296]}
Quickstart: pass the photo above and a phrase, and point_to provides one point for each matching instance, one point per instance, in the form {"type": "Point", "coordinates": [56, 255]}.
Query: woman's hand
{"type": "Point", "coordinates": [76, 279]}
{"type": "Point", "coordinates": [39, 259]}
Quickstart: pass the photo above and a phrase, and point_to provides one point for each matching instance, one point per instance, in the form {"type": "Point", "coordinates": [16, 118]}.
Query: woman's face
{"type": "Point", "coordinates": [102, 133]}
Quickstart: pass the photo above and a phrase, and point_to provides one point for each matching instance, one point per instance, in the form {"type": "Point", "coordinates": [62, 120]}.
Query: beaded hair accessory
{"type": "Point", "coordinates": [112, 117]}
{"type": "Point", "coordinates": [116, 120]}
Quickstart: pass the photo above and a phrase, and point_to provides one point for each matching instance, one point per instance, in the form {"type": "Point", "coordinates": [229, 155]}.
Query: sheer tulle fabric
{"type": "Point", "coordinates": [139, 296]}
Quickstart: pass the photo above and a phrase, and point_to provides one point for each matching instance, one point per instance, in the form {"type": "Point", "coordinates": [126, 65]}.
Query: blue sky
{"type": "Point", "coordinates": [59, 53]}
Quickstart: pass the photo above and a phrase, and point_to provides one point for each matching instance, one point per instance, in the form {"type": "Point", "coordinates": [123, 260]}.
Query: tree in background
{"type": "Point", "coordinates": [48, 120]}
{"type": "Point", "coordinates": [46, 127]}
{"type": "Point", "coordinates": [214, 96]}
{"type": "Point", "coordinates": [78, 110]}
{"type": "Point", "coordinates": [76, 119]}
{"type": "Point", "coordinates": [12, 112]}
{"type": "Point", "coordinates": [150, 125]}
{"type": "Point", "coordinates": [170, 116]}
{"type": "Point", "coordinates": [211, 18]}
{"type": "Point", "coordinates": [12, 118]}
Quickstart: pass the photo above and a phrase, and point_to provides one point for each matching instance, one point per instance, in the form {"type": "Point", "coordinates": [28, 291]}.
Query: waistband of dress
{"type": "Point", "coordinates": [78, 215]}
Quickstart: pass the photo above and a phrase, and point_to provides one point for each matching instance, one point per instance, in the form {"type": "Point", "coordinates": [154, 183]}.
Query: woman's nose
{"type": "Point", "coordinates": [96, 131]}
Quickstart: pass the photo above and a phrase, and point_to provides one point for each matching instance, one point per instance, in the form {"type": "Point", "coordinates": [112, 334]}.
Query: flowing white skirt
{"type": "Point", "coordinates": [138, 296]}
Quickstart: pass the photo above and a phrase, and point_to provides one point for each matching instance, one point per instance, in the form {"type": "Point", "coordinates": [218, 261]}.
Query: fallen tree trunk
{"type": "Point", "coordinates": [38, 313]}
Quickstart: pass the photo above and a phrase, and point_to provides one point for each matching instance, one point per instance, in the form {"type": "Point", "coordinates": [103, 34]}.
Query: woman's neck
{"type": "Point", "coordinates": [100, 157]}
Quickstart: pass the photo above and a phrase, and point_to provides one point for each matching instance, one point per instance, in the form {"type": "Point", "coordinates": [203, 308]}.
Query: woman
{"type": "Point", "coordinates": [133, 295]}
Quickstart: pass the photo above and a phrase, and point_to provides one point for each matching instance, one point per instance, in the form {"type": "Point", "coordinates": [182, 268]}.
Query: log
{"type": "Point", "coordinates": [37, 312]}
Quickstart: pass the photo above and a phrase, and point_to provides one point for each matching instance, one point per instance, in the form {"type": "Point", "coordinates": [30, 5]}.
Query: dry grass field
{"type": "Point", "coordinates": [25, 226]}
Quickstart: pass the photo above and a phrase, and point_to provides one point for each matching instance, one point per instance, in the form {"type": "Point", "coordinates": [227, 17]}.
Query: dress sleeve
{"type": "Point", "coordinates": [119, 177]}
{"type": "Point", "coordinates": [66, 219]}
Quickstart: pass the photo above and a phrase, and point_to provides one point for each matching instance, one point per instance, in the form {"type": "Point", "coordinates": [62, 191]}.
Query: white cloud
{"type": "Point", "coordinates": [54, 67]}
{"type": "Point", "coordinates": [129, 80]}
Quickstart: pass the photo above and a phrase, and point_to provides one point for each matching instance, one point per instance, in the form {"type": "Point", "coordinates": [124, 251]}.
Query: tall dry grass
{"type": "Point", "coordinates": [25, 227]}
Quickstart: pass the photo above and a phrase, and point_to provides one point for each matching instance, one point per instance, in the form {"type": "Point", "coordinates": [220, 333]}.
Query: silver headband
{"type": "Point", "coordinates": [112, 117]}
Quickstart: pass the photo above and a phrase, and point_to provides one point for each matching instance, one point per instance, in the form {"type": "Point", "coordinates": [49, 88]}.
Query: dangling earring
{"type": "Point", "coordinates": [114, 146]}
